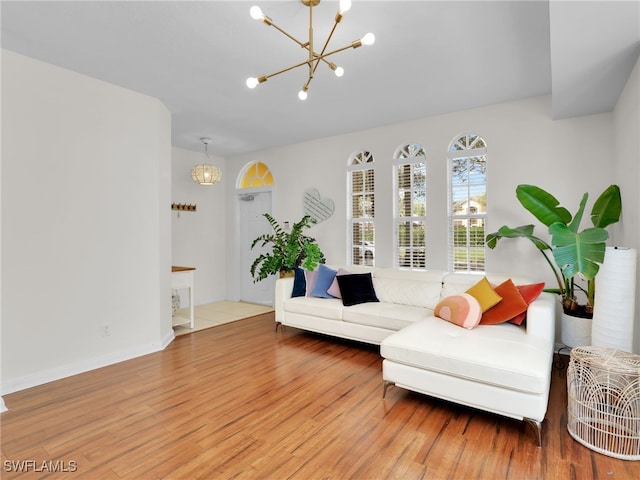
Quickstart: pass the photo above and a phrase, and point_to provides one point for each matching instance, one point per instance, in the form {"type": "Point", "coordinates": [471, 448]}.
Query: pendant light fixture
{"type": "Point", "coordinates": [206, 173]}
{"type": "Point", "coordinates": [314, 57]}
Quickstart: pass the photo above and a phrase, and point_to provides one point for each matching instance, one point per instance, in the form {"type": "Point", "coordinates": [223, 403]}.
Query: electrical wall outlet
{"type": "Point", "coordinates": [106, 329]}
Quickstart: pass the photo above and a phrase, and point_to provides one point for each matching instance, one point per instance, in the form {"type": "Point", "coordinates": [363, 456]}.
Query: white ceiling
{"type": "Point", "coordinates": [430, 58]}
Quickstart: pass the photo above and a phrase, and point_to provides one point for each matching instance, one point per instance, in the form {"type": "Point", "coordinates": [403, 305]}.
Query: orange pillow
{"type": "Point", "coordinates": [484, 293]}
{"type": "Point", "coordinates": [512, 304]}
{"type": "Point", "coordinates": [529, 293]}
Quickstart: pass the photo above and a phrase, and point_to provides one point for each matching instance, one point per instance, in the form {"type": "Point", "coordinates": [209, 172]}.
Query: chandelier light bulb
{"type": "Point", "coordinates": [339, 71]}
{"type": "Point", "coordinates": [368, 39]}
{"type": "Point", "coordinates": [345, 5]}
{"type": "Point", "coordinates": [252, 82]}
{"type": "Point", "coordinates": [302, 95]}
{"type": "Point", "coordinates": [256, 13]}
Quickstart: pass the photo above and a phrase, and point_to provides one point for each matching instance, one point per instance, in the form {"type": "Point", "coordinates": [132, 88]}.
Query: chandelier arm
{"type": "Point", "coordinates": [288, 35]}
{"type": "Point", "coordinates": [306, 62]}
{"type": "Point", "coordinates": [326, 44]}
{"type": "Point", "coordinates": [317, 58]}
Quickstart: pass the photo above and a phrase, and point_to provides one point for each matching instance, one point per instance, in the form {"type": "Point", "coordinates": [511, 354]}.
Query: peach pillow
{"type": "Point", "coordinates": [512, 304]}
{"type": "Point", "coordinates": [462, 310]}
{"type": "Point", "coordinates": [484, 293]}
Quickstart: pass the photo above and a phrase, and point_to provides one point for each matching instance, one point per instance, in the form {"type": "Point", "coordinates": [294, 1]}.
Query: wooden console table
{"type": "Point", "coordinates": [182, 278]}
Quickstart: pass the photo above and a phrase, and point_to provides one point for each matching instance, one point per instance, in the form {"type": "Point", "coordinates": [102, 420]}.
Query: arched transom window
{"type": "Point", "coordinates": [256, 174]}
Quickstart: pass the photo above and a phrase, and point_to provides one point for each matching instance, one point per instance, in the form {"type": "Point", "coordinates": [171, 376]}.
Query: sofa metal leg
{"type": "Point", "coordinates": [277, 325]}
{"type": "Point", "coordinates": [538, 426]}
{"type": "Point", "coordinates": [385, 386]}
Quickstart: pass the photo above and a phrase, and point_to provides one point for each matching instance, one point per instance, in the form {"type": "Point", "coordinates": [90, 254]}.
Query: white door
{"type": "Point", "coordinates": [252, 225]}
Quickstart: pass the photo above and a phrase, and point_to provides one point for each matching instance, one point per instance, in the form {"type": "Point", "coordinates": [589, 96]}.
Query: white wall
{"type": "Point", "coordinates": [627, 166]}
{"type": "Point", "coordinates": [86, 226]}
{"type": "Point", "coordinates": [198, 238]}
{"type": "Point", "coordinates": [524, 146]}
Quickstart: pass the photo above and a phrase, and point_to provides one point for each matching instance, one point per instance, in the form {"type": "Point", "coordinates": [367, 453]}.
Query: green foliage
{"type": "Point", "coordinates": [476, 236]}
{"type": "Point", "coordinates": [288, 249]}
{"type": "Point", "coordinates": [573, 251]}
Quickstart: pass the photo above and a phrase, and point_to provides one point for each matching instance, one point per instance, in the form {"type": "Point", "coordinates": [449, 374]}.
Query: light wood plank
{"type": "Point", "coordinates": [239, 401]}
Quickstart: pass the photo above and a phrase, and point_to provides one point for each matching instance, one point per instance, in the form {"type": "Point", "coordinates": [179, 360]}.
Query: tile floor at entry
{"type": "Point", "coordinates": [216, 313]}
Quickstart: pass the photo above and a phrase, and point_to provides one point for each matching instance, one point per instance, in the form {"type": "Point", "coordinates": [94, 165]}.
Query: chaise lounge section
{"type": "Point", "coordinates": [503, 368]}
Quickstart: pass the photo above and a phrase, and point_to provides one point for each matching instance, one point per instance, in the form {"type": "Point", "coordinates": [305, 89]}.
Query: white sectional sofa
{"type": "Point", "coordinates": [504, 369]}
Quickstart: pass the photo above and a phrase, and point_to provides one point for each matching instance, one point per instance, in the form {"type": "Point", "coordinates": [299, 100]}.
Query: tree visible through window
{"type": "Point", "coordinates": [467, 203]}
{"type": "Point", "coordinates": [410, 206]}
{"type": "Point", "coordinates": [360, 175]}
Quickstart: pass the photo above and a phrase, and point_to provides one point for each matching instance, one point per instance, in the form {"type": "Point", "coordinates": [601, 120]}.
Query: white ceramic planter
{"type": "Point", "coordinates": [575, 331]}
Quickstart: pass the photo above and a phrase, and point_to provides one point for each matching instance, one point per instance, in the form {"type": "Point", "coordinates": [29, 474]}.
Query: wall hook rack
{"type": "Point", "coordinates": [183, 207]}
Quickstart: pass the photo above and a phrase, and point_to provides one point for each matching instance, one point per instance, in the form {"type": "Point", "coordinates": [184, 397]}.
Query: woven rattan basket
{"type": "Point", "coordinates": [603, 387]}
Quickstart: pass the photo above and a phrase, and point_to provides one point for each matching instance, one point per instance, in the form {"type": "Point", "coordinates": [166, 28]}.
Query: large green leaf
{"type": "Point", "coordinates": [607, 208]}
{"type": "Point", "coordinates": [574, 226]}
{"type": "Point", "coordinates": [524, 231]}
{"type": "Point", "coordinates": [578, 252]}
{"type": "Point", "coordinates": [544, 206]}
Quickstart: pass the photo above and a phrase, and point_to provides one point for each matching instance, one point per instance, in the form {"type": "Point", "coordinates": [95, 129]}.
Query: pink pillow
{"type": "Point", "coordinates": [310, 277]}
{"type": "Point", "coordinates": [462, 309]}
{"type": "Point", "coordinates": [334, 289]}
{"type": "Point", "coordinates": [529, 294]}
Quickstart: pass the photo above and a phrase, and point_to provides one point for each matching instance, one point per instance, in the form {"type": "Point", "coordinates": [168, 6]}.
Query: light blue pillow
{"type": "Point", "coordinates": [324, 279]}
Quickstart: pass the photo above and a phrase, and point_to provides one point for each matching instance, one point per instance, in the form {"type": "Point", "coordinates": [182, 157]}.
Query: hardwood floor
{"type": "Point", "coordinates": [240, 401]}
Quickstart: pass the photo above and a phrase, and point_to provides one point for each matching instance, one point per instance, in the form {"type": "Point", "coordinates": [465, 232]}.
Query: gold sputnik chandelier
{"type": "Point", "coordinates": [314, 57]}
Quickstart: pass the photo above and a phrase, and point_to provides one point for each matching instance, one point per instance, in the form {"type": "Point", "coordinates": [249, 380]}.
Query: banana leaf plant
{"type": "Point", "coordinates": [288, 249]}
{"type": "Point", "coordinates": [572, 252]}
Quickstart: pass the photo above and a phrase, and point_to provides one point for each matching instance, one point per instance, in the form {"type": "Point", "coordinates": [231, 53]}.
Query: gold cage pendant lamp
{"type": "Point", "coordinates": [206, 173]}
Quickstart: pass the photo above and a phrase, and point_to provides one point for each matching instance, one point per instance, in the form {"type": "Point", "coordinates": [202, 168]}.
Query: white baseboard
{"type": "Point", "coordinates": [83, 366]}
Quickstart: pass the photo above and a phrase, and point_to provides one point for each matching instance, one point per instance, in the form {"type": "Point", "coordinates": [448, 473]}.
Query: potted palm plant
{"type": "Point", "coordinates": [288, 250]}
{"type": "Point", "coordinates": [572, 253]}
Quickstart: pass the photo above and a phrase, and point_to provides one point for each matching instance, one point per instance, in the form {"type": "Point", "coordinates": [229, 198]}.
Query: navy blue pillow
{"type": "Point", "coordinates": [299, 283]}
{"type": "Point", "coordinates": [356, 288]}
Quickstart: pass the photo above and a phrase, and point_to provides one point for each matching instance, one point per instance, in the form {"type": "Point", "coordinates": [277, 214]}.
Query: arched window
{"type": "Point", "coordinates": [467, 203]}
{"type": "Point", "coordinates": [410, 206]}
{"type": "Point", "coordinates": [256, 174]}
{"type": "Point", "coordinates": [361, 218]}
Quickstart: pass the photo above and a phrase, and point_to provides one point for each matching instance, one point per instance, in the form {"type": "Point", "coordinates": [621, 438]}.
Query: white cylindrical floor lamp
{"type": "Point", "coordinates": [614, 302]}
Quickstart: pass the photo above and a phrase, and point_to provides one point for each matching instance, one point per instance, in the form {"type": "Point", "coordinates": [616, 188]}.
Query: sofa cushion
{"type": "Point", "coordinates": [502, 355]}
{"type": "Point", "coordinates": [324, 278]}
{"type": "Point", "coordinates": [462, 310]}
{"type": "Point", "coordinates": [334, 289]}
{"type": "Point", "coordinates": [390, 316]}
{"type": "Point", "coordinates": [485, 294]}
{"type": "Point", "coordinates": [356, 288]}
{"type": "Point", "coordinates": [330, 308]}
{"type": "Point", "coordinates": [529, 294]}
{"type": "Point", "coordinates": [418, 289]}
{"type": "Point", "coordinates": [299, 283]}
{"type": "Point", "coordinates": [512, 304]}
{"type": "Point", "coordinates": [310, 279]}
